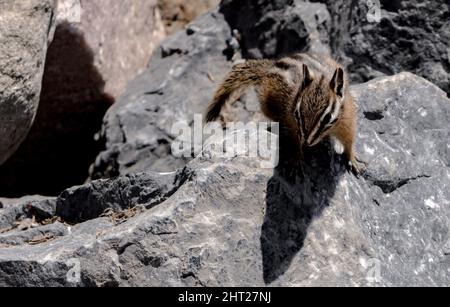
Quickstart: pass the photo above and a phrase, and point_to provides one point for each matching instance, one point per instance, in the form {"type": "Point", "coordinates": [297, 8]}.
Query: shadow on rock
{"type": "Point", "coordinates": [60, 147]}
{"type": "Point", "coordinates": [296, 194]}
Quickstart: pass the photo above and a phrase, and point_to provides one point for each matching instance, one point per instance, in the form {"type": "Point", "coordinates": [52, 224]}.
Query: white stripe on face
{"type": "Point", "coordinates": [297, 115]}
{"type": "Point", "coordinates": [334, 116]}
{"type": "Point", "coordinates": [337, 110]}
{"type": "Point", "coordinates": [316, 128]}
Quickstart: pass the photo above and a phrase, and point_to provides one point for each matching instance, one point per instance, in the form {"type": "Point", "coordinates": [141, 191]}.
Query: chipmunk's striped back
{"type": "Point", "coordinates": [241, 77]}
{"type": "Point", "coordinates": [309, 95]}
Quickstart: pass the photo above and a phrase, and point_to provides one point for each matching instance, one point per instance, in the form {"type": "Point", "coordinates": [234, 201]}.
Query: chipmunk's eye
{"type": "Point", "coordinates": [333, 121]}
{"type": "Point", "coordinates": [327, 119]}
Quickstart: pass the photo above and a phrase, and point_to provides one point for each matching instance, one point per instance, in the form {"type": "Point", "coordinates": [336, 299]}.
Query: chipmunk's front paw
{"type": "Point", "coordinates": [356, 167]}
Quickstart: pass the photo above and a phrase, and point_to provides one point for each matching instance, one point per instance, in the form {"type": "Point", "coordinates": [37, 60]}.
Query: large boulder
{"type": "Point", "coordinates": [179, 83]}
{"type": "Point", "coordinates": [411, 35]}
{"type": "Point", "coordinates": [138, 138]}
{"type": "Point", "coordinates": [273, 28]}
{"type": "Point", "coordinates": [229, 222]}
{"type": "Point", "coordinates": [372, 38]}
{"type": "Point", "coordinates": [98, 46]}
{"type": "Point", "coordinates": [26, 29]}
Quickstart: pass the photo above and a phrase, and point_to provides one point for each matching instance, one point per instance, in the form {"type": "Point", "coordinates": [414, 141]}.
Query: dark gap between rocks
{"type": "Point", "coordinates": [374, 115]}
{"type": "Point", "coordinates": [145, 190]}
{"type": "Point", "coordinates": [390, 186]}
{"type": "Point", "coordinates": [60, 147]}
{"type": "Point", "coordinates": [391, 5]}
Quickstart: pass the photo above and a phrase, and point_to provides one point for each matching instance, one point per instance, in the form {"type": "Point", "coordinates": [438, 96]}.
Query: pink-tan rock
{"type": "Point", "coordinates": [121, 34]}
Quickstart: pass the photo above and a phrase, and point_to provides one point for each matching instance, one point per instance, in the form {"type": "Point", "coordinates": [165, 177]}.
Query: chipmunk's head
{"type": "Point", "coordinates": [319, 105]}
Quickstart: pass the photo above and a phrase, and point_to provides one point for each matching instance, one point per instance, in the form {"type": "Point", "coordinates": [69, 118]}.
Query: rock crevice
{"type": "Point", "coordinates": [213, 221]}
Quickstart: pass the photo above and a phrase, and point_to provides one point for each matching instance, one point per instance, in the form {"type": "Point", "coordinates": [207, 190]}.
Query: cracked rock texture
{"type": "Point", "coordinates": [98, 47]}
{"type": "Point", "coordinates": [137, 130]}
{"type": "Point", "coordinates": [179, 83]}
{"type": "Point", "coordinates": [26, 29]}
{"type": "Point", "coordinates": [209, 221]}
{"type": "Point", "coordinates": [411, 35]}
{"type": "Point", "coordinates": [229, 222]}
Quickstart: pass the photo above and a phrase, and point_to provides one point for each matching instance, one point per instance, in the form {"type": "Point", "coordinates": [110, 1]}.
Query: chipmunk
{"type": "Point", "coordinates": [308, 95]}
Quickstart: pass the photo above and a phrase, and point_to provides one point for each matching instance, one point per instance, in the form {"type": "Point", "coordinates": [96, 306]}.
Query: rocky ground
{"type": "Point", "coordinates": [149, 218]}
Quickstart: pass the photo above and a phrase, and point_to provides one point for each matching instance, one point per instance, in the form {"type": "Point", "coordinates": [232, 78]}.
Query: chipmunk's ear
{"type": "Point", "coordinates": [337, 82]}
{"type": "Point", "coordinates": [308, 76]}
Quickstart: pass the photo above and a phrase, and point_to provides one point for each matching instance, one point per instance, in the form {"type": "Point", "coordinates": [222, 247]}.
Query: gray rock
{"type": "Point", "coordinates": [26, 30]}
{"type": "Point", "coordinates": [229, 222]}
{"type": "Point", "coordinates": [409, 36]}
{"type": "Point", "coordinates": [13, 201]}
{"type": "Point", "coordinates": [89, 63]}
{"type": "Point", "coordinates": [273, 28]}
{"type": "Point", "coordinates": [87, 202]}
{"type": "Point", "coordinates": [44, 209]}
{"type": "Point", "coordinates": [22, 237]}
{"type": "Point", "coordinates": [137, 130]}
{"type": "Point", "coordinates": [180, 81]}
{"type": "Point", "coordinates": [18, 210]}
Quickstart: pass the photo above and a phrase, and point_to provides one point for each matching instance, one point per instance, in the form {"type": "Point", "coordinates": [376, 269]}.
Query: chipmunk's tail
{"type": "Point", "coordinates": [240, 78]}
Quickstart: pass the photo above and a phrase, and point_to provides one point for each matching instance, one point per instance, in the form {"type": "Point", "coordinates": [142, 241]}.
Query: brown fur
{"type": "Point", "coordinates": [302, 84]}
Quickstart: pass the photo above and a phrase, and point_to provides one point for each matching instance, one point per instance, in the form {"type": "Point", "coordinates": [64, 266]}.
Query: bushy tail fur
{"type": "Point", "coordinates": [239, 79]}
